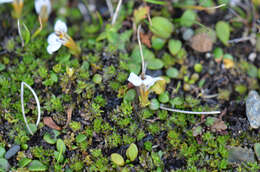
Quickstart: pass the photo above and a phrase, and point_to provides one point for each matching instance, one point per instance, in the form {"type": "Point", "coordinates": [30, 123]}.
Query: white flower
{"type": "Point", "coordinates": [38, 4]}
{"type": "Point", "coordinates": [138, 81]}
{"type": "Point", "coordinates": [5, 1]}
{"type": "Point", "coordinates": [58, 38]}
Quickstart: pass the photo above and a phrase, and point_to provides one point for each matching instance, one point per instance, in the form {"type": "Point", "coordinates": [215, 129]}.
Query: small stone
{"type": "Point", "coordinates": [240, 155]}
{"type": "Point", "coordinates": [187, 34]}
{"type": "Point", "coordinates": [253, 109]}
{"type": "Point", "coordinates": [252, 56]}
{"type": "Point", "coordinates": [12, 151]}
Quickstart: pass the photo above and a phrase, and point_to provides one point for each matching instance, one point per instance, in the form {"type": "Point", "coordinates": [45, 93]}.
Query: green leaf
{"type": "Point", "coordinates": [58, 156]}
{"type": "Point", "coordinates": [132, 152]}
{"type": "Point", "coordinates": [117, 159]}
{"type": "Point", "coordinates": [37, 166]}
{"type": "Point", "coordinates": [140, 14]}
{"type": "Point", "coordinates": [2, 152]}
{"type": "Point", "coordinates": [174, 46]}
{"type": "Point", "coordinates": [257, 150]}
{"type": "Point", "coordinates": [24, 162]}
{"type": "Point", "coordinates": [60, 146]}
{"type": "Point", "coordinates": [80, 138]}
{"type": "Point", "coordinates": [156, 2]}
{"type": "Point", "coordinates": [4, 165]}
{"type": "Point", "coordinates": [155, 64]}
{"type": "Point", "coordinates": [51, 139]}
{"type": "Point", "coordinates": [161, 27]}
{"type": "Point", "coordinates": [26, 34]}
{"type": "Point", "coordinates": [188, 18]}
{"type": "Point", "coordinates": [223, 32]}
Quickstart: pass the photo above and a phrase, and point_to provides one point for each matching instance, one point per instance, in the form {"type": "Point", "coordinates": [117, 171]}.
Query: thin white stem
{"type": "Point", "coordinates": [22, 105]}
{"type": "Point", "coordinates": [116, 12]}
{"type": "Point", "coordinates": [141, 51]}
{"type": "Point", "coordinates": [110, 7]}
{"type": "Point", "coordinates": [236, 40]}
{"type": "Point", "coordinates": [211, 8]}
{"type": "Point", "coordinates": [19, 32]}
{"type": "Point", "coordinates": [189, 112]}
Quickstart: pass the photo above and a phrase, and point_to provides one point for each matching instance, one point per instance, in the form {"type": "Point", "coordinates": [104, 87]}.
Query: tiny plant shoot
{"type": "Point", "coordinates": [18, 8]}
{"type": "Point", "coordinates": [43, 9]}
{"type": "Point", "coordinates": [142, 82]}
{"type": "Point", "coordinates": [60, 37]}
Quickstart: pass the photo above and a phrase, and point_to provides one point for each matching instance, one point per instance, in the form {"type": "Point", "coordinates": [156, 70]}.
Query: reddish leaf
{"type": "Point", "coordinates": [50, 123]}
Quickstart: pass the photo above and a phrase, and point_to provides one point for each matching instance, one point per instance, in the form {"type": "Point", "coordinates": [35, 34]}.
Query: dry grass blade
{"type": "Point", "coordinates": [69, 114]}
{"type": "Point", "coordinates": [50, 123]}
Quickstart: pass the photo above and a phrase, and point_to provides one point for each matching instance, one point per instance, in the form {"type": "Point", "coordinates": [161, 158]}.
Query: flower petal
{"type": "Point", "coordinates": [38, 4]}
{"type": "Point", "coordinates": [52, 38]}
{"type": "Point", "coordinates": [54, 43]}
{"type": "Point", "coordinates": [134, 79]}
{"type": "Point", "coordinates": [5, 1]}
{"type": "Point", "coordinates": [60, 26]}
{"type": "Point", "coordinates": [150, 81]}
{"type": "Point", "coordinates": [53, 47]}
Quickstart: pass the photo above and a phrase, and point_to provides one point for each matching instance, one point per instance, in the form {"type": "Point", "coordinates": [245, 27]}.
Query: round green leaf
{"type": "Point", "coordinates": [117, 159]}
{"type": "Point", "coordinates": [157, 43]}
{"type": "Point", "coordinates": [155, 64]}
{"type": "Point", "coordinates": [37, 166]}
{"type": "Point", "coordinates": [172, 72]}
{"type": "Point", "coordinates": [223, 32]}
{"type": "Point", "coordinates": [154, 105]}
{"type": "Point", "coordinates": [130, 95]}
{"type": "Point", "coordinates": [132, 152]}
{"type": "Point", "coordinates": [4, 165]}
{"type": "Point", "coordinates": [161, 27]}
{"type": "Point", "coordinates": [188, 18]}
{"type": "Point", "coordinates": [174, 46]}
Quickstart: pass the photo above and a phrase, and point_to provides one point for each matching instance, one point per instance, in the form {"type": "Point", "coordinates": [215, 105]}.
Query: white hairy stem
{"type": "Point", "coordinates": [116, 12]}
{"type": "Point", "coordinates": [189, 112]}
{"type": "Point", "coordinates": [22, 105]}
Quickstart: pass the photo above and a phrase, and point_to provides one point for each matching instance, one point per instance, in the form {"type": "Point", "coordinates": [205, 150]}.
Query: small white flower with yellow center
{"type": "Point", "coordinates": [60, 37]}
{"type": "Point", "coordinates": [43, 9]}
{"type": "Point", "coordinates": [144, 85]}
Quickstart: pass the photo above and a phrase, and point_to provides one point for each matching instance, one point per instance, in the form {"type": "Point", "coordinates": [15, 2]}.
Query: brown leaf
{"type": "Point", "coordinates": [145, 39]}
{"type": "Point", "coordinates": [219, 125]}
{"type": "Point", "coordinates": [69, 113]}
{"type": "Point", "coordinates": [50, 123]}
{"type": "Point", "coordinates": [201, 42]}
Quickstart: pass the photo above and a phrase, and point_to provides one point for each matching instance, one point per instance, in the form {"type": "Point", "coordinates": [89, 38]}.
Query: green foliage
{"type": "Point", "coordinates": [223, 32]}
{"type": "Point", "coordinates": [161, 27]}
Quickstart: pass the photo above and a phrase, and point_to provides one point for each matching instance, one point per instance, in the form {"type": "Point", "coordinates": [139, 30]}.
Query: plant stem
{"type": "Point", "coordinates": [110, 7]}
{"type": "Point", "coordinates": [141, 51]}
{"type": "Point", "coordinates": [189, 112]}
{"type": "Point", "coordinates": [19, 32]}
{"type": "Point", "coordinates": [22, 105]}
{"type": "Point", "coordinates": [116, 12]}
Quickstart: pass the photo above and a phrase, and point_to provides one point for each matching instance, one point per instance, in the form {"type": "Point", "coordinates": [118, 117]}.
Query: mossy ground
{"type": "Point", "coordinates": [106, 117]}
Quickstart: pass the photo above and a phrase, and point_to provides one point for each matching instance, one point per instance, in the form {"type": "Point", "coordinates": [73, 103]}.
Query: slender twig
{"type": "Point", "coordinates": [19, 32]}
{"type": "Point", "coordinates": [236, 40]}
{"type": "Point", "coordinates": [110, 8]}
{"type": "Point", "coordinates": [212, 8]}
{"type": "Point", "coordinates": [116, 12]}
{"type": "Point", "coordinates": [22, 105]}
{"type": "Point", "coordinates": [141, 51]}
{"type": "Point", "coordinates": [188, 112]}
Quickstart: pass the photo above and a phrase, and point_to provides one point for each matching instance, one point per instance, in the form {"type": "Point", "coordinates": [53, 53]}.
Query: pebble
{"type": "Point", "coordinates": [239, 155]}
{"type": "Point", "coordinates": [12, 151]}
{"type": "Point", "coordinates": [253, 109]}
{"type": "Point", "coordinates": [187, 34]}
{"type": "Point", "coordinates": [252, 57]}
